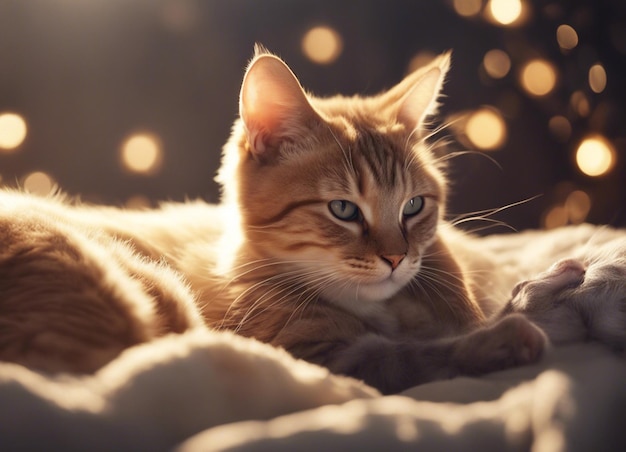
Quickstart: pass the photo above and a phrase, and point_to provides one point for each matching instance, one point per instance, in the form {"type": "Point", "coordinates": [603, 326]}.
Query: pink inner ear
{"type": "Point", "coordinates": [272, 103]}
{"type": "Point", "coordinates": [421, 100]}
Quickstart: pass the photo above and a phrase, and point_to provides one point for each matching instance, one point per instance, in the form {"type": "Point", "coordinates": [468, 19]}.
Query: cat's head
{"type": "Point", "coordinates": [345, 190]}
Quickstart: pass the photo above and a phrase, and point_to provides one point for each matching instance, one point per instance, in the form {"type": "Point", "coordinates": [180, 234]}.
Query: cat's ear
{"type": "Point", "coordinates": [272, 105]}
{"type": "Point", "coordinates": [416, 96]}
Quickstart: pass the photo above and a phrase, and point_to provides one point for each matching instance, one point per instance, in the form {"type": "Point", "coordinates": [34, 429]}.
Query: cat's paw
{"type": "Point", "coordinates": [543, 293]}
{"type": "Point", "coordinates": [521, 341]}
{"type": "Point", "coordinates": [512, 341]}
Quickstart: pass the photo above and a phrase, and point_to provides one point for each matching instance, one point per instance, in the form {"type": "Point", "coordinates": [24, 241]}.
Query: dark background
{"type": "Point", "coordinates": [87, 74]}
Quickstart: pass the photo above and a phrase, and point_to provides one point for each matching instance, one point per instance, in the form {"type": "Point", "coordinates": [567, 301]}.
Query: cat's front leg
{"type": "Point", "coordinates": [392, 365]}
{"type": "Point", "coordinates": [511, 341]}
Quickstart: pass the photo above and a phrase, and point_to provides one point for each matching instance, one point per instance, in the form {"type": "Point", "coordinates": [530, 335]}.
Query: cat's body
{"type": "Point", "coordinates": [73, 296]}
{"type": "Point", "coordinates": [78, 287]}
{"type": "Point", "coordinates": [330, 243]}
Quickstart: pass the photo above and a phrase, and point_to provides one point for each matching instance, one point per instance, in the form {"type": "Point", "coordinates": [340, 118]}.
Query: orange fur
{"type": "Point", "coordinates": [274, 261]}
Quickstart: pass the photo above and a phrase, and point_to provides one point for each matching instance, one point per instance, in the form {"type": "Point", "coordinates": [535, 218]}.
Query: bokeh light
{"type": "Point", "coordinates": [567, 37]}
{"type": "Point", "coordinates": [578, 205]}
{"type": "Point", "coordinates": [38, 183]}
{"type": "Point", "coordinates": [595, 156]}
{"type": "Point", "coordinates": [142, 153]}
{"type": "Point", "coordinates": [13, 131]}
{"type": "Point", "coordinates": [467, 8]}
{"type": "Point", "coordinates": [179, 15]}
{"type": "Point", "coordinates": [419, 60]}
{"type": "Point", "coordinates": [580, 104]}
{"type": "Point", "coordinates": [574, 210]}
{"type": "Point", "coordinates": [486, 129]}
{"type": "Point", "coordinates": [497, 63]}
{"type": "Point", "coordinates": [538, 77]}
{"type": "Point", "coordinates": [505, 12]}
{"type": "Point", "coordinates": [555, 217]}
{"type": "Point", "coordinates": [357, 51]}
{"type": "Point", "coordinates": [322, 45]}
{"type": "Point", "coordinates": [597, 78]}
{"type": "Point", "coordinates": [560, 128]}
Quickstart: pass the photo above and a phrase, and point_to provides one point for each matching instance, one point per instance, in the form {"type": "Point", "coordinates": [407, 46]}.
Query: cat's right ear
{"type": "Point", "coordinates": [415, 98]}
{"type": "Point", "coordinates": [273, 106]}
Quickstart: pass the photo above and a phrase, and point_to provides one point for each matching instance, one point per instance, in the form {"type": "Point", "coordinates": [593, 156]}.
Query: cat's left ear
{"type": "Point", "coordinates": [273, 106]}
{"type": "Point", "coordinates": [422, 90]}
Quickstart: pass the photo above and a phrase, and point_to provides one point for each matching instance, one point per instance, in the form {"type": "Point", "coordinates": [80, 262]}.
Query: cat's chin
{"type": "Point", "coordinates": [362, 298]}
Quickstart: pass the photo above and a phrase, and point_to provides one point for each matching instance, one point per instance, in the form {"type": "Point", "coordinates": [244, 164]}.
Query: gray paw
{"type": "Point", "coordinates": [512, 341]}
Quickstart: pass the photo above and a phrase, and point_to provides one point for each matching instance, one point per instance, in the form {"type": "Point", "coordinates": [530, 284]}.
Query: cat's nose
{"type": "Point", "coordinates": [393, 259]}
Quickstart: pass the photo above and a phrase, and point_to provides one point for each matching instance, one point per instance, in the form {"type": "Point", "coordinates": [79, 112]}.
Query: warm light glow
{"type": "Point", "coordinates": [567, 37]}
{"type": "Point", "coordinates": [12, 131]}
{"type": "Point", "coordinates": [138, 202]}
{"type": "Point", "coordinates": [486, 129]}
{"type": "Point", "coordinates": [595, 156]}
{"type": "Point", "coordinates": [555, 217]}
{"type": "Point", "coordinates": [322, 45]}
{"type": "Point", "coordinates": [597, 78]}
{"type": "Point", "coordinates": [419, 60]}
{"type": "Point", "coordinates": [141, 153]}
{"type": "Point", "coordinates": [38, 183]}
{"type": "Point", "coordinates": [560, 127]}
{"type": "Point", "coordinates": [538, 77]}
{"type": "Point", "coordinates": [467, 8]}
{"type": "Point", "coordinates": [179, 16]}
{"type": "Point", "coordinates": [578, 205]}
{"type": "Point", "coordinates": [580, 103]}
{"type": "Point", "coordinates": [505, 11]}
{"type": "Point", "coordinates": [497, 63]}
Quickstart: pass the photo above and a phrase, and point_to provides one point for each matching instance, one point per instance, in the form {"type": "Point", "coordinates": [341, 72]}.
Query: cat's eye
{"type": "Point", "coordinates": [413, 206]}
{"type": "Point", "coordinates": [344, 210]}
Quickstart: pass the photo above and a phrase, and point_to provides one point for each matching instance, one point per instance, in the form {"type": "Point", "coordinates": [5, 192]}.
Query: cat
{"type": "Point", "coordinates": [579, 298]}
{"type": "Point", "coordinates": [330, 242]}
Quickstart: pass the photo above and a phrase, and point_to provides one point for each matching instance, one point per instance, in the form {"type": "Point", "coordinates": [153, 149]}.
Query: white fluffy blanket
{"type": "Point", "coordinates": [215, 391]}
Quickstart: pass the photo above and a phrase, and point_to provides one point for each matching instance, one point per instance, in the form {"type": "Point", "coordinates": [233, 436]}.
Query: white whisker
{"type": "Point", "coordinates": [484, 215]}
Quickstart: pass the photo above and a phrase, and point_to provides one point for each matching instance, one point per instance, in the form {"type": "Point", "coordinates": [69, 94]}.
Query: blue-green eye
{"type": "Point", "coordinates": [413, 207]}
{"type": "Point", "coordinates": [344, 210]}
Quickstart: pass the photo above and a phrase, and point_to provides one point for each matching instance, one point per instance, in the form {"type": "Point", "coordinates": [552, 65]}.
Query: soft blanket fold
{"type": "Point", "coordinates": [217, 391]}
{"type": "Point", "coordinates": [574, 401]}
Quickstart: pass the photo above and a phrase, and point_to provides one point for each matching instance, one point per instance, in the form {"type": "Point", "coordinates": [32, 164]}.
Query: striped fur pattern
{"type": "Point", "coordinates": [330, 242]}
{"type": "Point", "coordinates": [377, 295]}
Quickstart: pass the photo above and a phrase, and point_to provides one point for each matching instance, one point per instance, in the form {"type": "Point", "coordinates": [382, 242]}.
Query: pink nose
{"type": "Point", "coordinates": [393, 259]}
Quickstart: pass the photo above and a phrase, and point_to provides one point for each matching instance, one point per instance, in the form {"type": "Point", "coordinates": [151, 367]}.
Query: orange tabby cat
{"type": "Point", "coordinates": [329, 242]}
